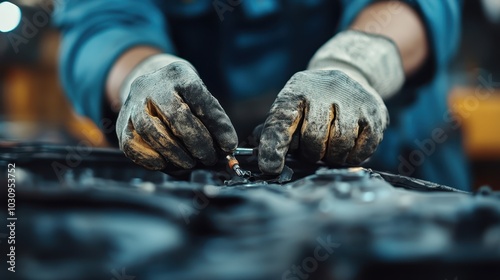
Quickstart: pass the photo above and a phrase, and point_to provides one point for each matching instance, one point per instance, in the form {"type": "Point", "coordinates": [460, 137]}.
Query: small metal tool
{"type": "Point", "coordinates": [246, 152]}
{"type": "Point", "coordinates": [233, 163]}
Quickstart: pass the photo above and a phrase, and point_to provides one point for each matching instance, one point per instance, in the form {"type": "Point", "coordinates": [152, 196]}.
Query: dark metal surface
{"type": "Point", "coordinates": [106, 218]}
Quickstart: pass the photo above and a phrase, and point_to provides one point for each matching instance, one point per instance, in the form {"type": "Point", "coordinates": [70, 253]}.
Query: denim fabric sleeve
{"type": "Point", "coordinates": [95, 34]}
{"type": "Point", "coordinates": [441, 18]}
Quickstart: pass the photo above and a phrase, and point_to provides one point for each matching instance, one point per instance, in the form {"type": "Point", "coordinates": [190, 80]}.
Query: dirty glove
{"type": "Point", "coordinates": [169, 117]}
{"type": "Point", "coordinates": [336, 106]}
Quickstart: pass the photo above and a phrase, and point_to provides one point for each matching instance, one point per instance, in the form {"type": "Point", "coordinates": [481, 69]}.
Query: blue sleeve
{"type": "Point", "coordinates": [95, 34]}
{"type": "Point", "coordinates": [442, 19]}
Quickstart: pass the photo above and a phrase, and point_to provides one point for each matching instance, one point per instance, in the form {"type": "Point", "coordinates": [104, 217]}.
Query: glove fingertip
{"type": "Point", "coordinates": [271, 160]}
{"type": "Point", "coordinates": [209, 161]}
{"type": "Point", "coordinates": [228, 141]}
{"type": "Point", "coordinates": [270, 167]}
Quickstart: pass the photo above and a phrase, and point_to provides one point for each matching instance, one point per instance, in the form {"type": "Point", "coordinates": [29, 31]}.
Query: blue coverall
{"type": "Point", "coordinates": [245, 48]}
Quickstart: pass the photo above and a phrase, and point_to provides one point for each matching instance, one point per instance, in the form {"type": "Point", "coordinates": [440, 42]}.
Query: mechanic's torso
{"type": "Point", "coordinates": [244, 49]}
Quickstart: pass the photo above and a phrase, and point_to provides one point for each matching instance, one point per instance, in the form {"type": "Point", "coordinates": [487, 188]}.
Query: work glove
{"type": "Point", "coordinates": [170, 118]}
{"type": "Point", "coordinates": [336, 106]}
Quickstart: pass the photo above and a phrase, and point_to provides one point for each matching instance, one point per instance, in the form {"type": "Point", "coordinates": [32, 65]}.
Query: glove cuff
{"type": "Point", "coordinates": [375, 57]}
{"type": "Point", "coordinates": [147, 66]}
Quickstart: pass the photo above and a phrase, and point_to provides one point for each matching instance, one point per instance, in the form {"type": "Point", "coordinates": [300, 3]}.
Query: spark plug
{"type": "Point", "coordinates": [234, 165]}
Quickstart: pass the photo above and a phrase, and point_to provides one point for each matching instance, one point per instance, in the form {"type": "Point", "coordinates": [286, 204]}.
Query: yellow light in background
{"type": "Point", "coordinates": [10, 16]}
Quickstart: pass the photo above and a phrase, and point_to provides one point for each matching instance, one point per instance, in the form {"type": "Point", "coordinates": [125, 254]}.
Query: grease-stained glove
{"type": "Point", "coordinates": [336, 106]}
{"type": "Point", "coordinates": [169, 117]}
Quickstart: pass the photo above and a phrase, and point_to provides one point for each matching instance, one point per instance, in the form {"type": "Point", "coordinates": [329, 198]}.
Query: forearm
{"type": "Point", "coordinates": [405, 28]}
{"type": "Point", "coordinates": [123, 66]}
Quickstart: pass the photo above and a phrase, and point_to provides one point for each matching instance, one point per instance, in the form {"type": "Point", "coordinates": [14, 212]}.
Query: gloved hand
{"type": "Point", "coordinates": [170, 117]}
{"type": "Point", "coordinates": [336, 105]}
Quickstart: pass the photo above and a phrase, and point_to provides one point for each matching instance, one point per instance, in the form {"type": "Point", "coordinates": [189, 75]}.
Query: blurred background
{"type": "Point", "coordinates": [33, 106]}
